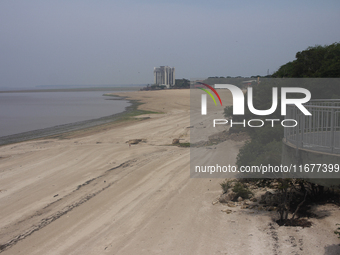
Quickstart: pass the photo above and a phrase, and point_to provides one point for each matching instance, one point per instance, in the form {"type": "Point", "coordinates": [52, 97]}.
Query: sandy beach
{"type": "Point", "coordinates": [93, 193]}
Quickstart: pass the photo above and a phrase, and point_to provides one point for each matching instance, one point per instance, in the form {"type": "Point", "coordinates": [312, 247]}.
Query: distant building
{"type": "Point", "coordinates": [164, 75]}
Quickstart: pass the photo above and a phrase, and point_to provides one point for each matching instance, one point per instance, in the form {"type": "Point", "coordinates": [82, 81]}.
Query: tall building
{"type": "Point", "coordinates": [164, 75]}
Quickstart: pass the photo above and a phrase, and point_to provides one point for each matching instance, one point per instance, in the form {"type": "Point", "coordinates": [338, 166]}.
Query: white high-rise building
{"type": "Point", "coordinates": [164, 75]}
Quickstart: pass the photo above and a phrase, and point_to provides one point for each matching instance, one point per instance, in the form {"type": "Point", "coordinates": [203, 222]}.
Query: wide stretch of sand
{"type": "Point", "coordinates": [94, 194]}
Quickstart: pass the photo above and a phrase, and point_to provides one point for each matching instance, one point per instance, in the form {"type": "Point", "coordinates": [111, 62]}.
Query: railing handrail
{"type": "Point", "coordinates": [324, 100]}
{"type": "Point", "coordinates": [319, 131]}
{"type": "Point", "coordinates": [317, 106]}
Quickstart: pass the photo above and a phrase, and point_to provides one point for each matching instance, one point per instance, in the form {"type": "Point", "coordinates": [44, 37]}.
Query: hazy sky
{"type": "Point", "coordinates": [121, 41]}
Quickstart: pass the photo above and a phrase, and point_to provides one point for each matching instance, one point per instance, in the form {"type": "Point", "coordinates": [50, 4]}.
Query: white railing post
{"type": "Point", "coordinates": [332, 130]}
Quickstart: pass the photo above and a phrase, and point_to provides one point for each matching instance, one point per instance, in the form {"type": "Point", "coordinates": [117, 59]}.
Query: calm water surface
{"type": "Point", "coordinates": [22, 112]}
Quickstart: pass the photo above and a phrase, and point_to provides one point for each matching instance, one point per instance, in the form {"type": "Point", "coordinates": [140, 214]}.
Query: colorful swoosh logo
{"type": "Point", "coordinates": [208, 92]}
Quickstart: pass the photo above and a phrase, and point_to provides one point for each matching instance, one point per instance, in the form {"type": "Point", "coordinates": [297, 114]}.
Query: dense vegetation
{"type": "Point", "coordinates": [314, 62]}
{"type": "Point", "coordinates": [294, 196]}
{"type": "Point", "coordinates": [182, 84]}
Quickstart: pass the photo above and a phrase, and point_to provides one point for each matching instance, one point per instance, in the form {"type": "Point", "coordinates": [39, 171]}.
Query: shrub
{"type": "Point", "coordinates": [241, 190]}
{"type": "Point", "coordinates": [226, 185]}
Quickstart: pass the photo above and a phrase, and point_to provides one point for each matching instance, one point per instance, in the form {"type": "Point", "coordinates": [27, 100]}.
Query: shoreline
{"type": "Point", "coordinates": [80, 127]}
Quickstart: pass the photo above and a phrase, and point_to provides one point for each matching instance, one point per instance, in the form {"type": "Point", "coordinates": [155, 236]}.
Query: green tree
{"type": "Point", "coordinates": [315, 62]}
{"type": "Point", "coordinates": [182, 83]}
{"type": "Point", "coordinates": [318, 61]}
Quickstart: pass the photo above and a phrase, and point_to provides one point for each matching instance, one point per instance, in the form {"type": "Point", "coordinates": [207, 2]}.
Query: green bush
{"type": "Point", "coordinates": [226, 185]}
{"type": "Point", "coordinates": [241, 190]}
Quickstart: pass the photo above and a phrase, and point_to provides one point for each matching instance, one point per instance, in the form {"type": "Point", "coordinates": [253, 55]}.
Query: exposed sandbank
{"type": "Point", "coordinates": [94, 194]}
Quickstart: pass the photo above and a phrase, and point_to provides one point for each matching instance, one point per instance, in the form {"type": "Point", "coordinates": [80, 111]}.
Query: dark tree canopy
{"type": "Point", "coordinates": [314, 62]}
{"type": "Point", "coordinates": [182, 83]}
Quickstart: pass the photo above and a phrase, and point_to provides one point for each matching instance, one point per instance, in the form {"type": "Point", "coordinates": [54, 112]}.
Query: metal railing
{"type": "Point", "coordinates": [318, 132]}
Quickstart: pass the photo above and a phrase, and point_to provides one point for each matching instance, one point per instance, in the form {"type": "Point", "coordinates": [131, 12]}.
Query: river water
{"type": "Point", "coordinates": [26, 114]}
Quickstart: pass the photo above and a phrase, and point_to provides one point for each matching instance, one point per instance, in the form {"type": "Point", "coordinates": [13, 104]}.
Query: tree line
{"type": "Point", "coordinates": [265, 145]}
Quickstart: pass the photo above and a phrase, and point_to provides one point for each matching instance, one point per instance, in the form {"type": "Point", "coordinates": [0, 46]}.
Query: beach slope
{"type": "Point", "coordinates": [101, 194]}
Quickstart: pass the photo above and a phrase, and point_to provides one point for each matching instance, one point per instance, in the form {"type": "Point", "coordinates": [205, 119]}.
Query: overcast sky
{"type": "Point", "coordinates": [121, 41]}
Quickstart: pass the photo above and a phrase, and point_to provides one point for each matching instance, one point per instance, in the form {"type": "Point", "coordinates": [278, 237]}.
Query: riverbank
{"type": "Point", "coordinates": [75, 127]}
{"type": "Point", "coordinates": [95, 193]}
